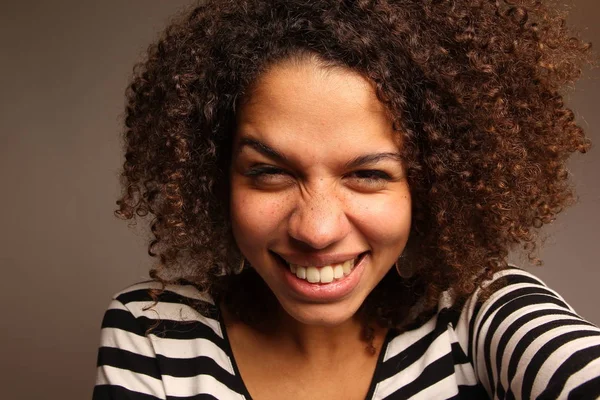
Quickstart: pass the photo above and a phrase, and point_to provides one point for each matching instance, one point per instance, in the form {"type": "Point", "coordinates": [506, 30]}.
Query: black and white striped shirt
{"type": "Point", "coordinates": [523, 342]}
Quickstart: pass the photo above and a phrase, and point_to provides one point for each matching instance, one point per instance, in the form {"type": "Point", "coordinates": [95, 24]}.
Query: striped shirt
{"type": "Point", "coordinates": [523, 342]}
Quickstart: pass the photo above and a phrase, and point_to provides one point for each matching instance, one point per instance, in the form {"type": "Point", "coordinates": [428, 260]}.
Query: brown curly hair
{"type": "Point", "coordinates": [474, 90]}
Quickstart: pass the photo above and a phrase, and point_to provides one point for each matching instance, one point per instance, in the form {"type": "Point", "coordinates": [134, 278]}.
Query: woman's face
{"type": "Point", "coordinates": [320, 206]}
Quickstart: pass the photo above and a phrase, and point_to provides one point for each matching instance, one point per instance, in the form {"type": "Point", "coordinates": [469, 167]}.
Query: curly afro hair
{"type": "Point", "coordinates": [474, 88]}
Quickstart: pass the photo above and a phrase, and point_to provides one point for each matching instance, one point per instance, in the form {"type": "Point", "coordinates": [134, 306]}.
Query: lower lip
{"type": "Point", "coordinates": [324, 291]}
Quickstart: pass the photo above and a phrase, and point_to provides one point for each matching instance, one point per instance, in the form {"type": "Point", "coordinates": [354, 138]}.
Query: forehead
{"type": "Point", "coordinates": [305, 103]}
{"type": "Point", "coordinates": [309, 76]}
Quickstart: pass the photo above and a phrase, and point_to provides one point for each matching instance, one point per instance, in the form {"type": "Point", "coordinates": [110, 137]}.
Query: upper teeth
{"type": "Point", "coordinates": [324, 274]}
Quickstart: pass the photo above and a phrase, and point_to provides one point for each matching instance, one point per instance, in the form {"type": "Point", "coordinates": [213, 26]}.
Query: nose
{"type": "Point", "coordinates": [319, 221]}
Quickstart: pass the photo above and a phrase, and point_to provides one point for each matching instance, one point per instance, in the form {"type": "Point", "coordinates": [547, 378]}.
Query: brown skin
{"type": "Point", "coordinates": [309, 206]}
{"type": "Point", "coordinates": [474, 89]}
{"type": "Point", "coordinates": [314, 204]}
{"type": "Point", "coordinates": [340, 369]}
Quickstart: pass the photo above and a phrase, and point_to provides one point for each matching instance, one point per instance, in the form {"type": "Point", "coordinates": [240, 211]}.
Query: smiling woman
{"type": "Point", "coordinates": [317, 183]}
{"type": "Point", "coordinates": [335, 187]}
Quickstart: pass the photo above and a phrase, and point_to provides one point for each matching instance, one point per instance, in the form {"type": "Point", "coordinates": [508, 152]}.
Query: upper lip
{"type": "Point", "coordinates": [318, 259]}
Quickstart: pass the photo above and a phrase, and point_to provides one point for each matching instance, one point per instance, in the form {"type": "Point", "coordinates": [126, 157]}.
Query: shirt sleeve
{"type": "Point", "coordinates": [526, 342]}
{"type": "Point", "coordinates": [127, 367]}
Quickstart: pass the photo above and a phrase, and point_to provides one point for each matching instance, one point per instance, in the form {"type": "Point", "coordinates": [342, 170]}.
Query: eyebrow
{"type": "Point", "coordinates": [365, 159]}
{"type": "Point", "coordinates": [374, 158]}
{"type": "Point", "coordinates": [262, 148]}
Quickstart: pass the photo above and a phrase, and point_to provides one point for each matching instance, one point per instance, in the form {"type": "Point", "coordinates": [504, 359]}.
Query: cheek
{"type": "Point", "coordinates": [256, 217]}
{"type": "Point", "coordinates": [386, 219]}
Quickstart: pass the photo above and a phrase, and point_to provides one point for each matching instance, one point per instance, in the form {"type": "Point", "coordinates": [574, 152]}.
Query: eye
{"type": "Point", "coordinates": [262, 175]}
{"type": "Point", "coordinates": [369, 179]}
{"type": "Point", "coordinates": [371, 174]}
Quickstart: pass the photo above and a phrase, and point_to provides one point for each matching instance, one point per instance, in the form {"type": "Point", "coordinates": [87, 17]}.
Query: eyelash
{"type": "Point", "coordinates": [263, 170]}
{"type": "Point", "coordinates": [373, 175]}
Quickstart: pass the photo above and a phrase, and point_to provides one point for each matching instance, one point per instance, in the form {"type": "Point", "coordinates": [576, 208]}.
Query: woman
{"type": "Point", "coordinates": [335, 187]}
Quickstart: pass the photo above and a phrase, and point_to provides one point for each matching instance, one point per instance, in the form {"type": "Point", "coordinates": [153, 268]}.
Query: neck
{"type": "Point", "coordinates": [320, 342]}
{"type": "Point", "coordinates": [312, 343]}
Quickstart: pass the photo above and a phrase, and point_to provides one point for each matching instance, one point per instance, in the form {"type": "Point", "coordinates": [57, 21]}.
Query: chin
{"type": "Point", "coordinates": [319, 314]}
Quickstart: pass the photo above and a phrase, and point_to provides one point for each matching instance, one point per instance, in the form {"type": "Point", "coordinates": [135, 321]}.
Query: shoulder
{"type": "Point", "coordinates": [514, 275]}
{"type": "Point", "coordinates": [151, 308]}
{"type": "Point", "coordinates": [523, 338]}
{"type": "Point", "coordinates": [157, 341]}
{"type": "Point", "coordinates": [509, 295]}
{"type": "Point", "coordinates": [142, 291]}
{"type": "Point", "coordinates": [513, 280]}
{"type": "Point", "coordinates": [513, 286]}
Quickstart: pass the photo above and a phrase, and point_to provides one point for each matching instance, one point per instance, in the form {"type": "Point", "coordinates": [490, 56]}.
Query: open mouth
{"type": "Point", "coordinates": [322, 274]}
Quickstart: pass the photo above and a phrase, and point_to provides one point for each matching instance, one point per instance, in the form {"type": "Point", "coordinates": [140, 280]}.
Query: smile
{"type": "Point", "coordinates": [325, 273]}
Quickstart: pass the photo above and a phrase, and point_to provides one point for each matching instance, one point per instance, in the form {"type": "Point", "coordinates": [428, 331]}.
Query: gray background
{"type": "Point", "coordinates": [64, 66]}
